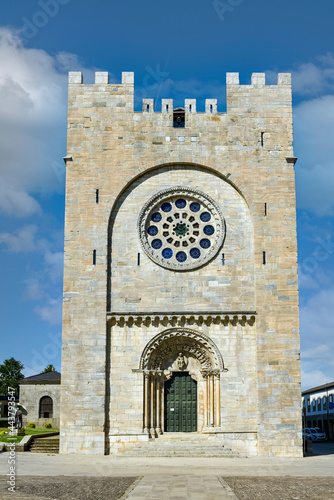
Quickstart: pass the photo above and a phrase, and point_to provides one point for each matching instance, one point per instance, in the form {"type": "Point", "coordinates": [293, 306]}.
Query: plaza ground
{"type": "Point", "coordinates": [72, 477]}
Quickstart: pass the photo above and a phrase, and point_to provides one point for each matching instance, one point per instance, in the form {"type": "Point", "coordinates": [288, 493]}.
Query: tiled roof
{"type": "Point", "coordinates": [43, 377]}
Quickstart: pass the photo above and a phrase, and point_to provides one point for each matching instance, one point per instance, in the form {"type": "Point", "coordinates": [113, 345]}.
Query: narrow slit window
{"type": "Point", "coordinates": [264, 258]}
{"type": "Point", "coordinates": [97, 194]}
{"type": "Point", "coordinates": [166, 107]}
{"type": "Point", "coordinates": [147, 108]}
{"type": "Point", "coordinates": [211, 108]}
{"type": "Point", "coordinates": [94, 257]}
{"type": "Point", "coordinates": [223, 259]}
{"type": "Point", "coordinates": [262, 138]}
{"type": "Point", "coordinates": [265, 209]}
{"type": "Point", "coordinates": [189, 108]}
{"type": "Point", "coordinates": [138, 259]}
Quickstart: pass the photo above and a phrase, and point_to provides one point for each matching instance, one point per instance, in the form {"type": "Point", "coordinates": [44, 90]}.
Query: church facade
{"type": "Point", "coordinates": [180, 275]}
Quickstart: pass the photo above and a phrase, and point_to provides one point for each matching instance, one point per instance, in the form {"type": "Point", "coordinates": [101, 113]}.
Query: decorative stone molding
{"type": "Point", "coordinates": [174, 319]}
{"type": "Point", "coordinates": [181, 228]}
{"type": "Point", "coordinates": [183, 340]}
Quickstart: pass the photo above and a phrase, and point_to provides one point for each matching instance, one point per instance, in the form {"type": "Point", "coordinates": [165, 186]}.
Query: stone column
{"type": "Point", "coordinates": [162, 396]}
{"type": "Point", "coordinates": [158, 403]}
{"type": "Point", "coordinates": [146, 401]}
{"type": "Point", "coordinates": [217, 398]}
{"type": "Point", "coordinates": [152, 416]}
{"type": "Point", "coordinates": [211, 401]}
{"type": "Point", "coordinates": [206, 390]}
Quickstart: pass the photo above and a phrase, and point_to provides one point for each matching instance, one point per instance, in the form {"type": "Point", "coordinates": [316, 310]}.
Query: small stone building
{"type": "Point", "coordinates": [180, 310]}
{"type": "Point", "coordinates": [40, 394]}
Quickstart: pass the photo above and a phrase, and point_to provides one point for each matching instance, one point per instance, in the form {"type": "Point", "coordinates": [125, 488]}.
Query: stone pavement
{"type": "Point", "coordinates": [179, 478]}
{"type": "Point", "coordinates": [181, 487]}
{"type": "Point", "coordinates": [29, 464]}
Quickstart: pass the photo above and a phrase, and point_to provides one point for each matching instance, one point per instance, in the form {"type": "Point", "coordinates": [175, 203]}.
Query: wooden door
{"type": "Point", "coordinates": [181, 403]}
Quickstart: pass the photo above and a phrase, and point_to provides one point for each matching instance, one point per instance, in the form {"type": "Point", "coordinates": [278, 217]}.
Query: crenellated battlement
{"type": "Point", "coordinates": [101, 77]}
{"type": "Point", "coordinates": [268, 93]}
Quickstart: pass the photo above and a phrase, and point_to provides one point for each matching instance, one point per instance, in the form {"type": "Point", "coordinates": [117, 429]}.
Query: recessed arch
{"type": "Point", "coordinates": [156, 169]}
{"type": "Point", "coordinates": [127, 187]}
{"type": "Point", "coordinates": [181, 339]}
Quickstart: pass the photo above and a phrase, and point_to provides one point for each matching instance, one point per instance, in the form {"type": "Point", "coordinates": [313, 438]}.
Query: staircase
{"type": "Point", "coordinates": [45, 445]}
{"type": "Point", "coordinates": [181, 444]}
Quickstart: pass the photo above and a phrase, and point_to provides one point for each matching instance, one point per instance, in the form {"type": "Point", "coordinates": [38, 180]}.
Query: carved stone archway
{"type": "Point", "coordinates": [174, 350]}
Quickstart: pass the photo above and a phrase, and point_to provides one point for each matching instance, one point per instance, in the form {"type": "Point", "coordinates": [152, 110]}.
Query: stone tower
{"type": "Point", "coordinates": [180, 275]}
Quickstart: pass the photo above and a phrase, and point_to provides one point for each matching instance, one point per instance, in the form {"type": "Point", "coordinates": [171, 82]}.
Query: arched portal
{"type": "Point", "coordinates": [180, 403]}
{"type": "Point", "coordinates": [168, 355]}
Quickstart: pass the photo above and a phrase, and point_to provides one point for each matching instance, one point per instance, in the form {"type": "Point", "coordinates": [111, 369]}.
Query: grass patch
{"type": "Point", "coordinates": [6, 438]}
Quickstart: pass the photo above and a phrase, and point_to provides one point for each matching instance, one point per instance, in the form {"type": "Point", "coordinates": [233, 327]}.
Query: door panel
{"type": "Point", "coordinates": [181, 403]}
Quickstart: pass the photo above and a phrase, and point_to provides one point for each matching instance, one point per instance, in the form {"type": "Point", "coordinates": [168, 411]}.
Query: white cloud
{"type": "Point", "coordinates": [22, 241]}
{"type": "Point", "coordinates": [309, 79]}
{"type": "Point", "coordinates": [317, 320]}
{"type": "Point", "coordinates": [51, 312]}
{"type": "Point", "coordinates": [313, 132]}
{"type": "Point", "coordinates": [318, 352]}
{"type": "Point", "coordinates": [314, 378]}
{"type": "Point", "coordinates": [317, 339]}
{"type": "Point", "coordinates": [306, 281]}
{"type": "Point", "coordinates": [34, 290]}
{"type": "Point", "coordinates": [54, 262]}
{"type": "Point", "coordinates": [33, 94]}
{"type": "Point", "coordinates": [16, 202]}
{"type": "Point", "coordinates": [44, 283]}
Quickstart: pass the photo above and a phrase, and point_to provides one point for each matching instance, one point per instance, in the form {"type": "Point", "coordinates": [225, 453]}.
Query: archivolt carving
{"type": "Point", "coordinates": [187, 341]}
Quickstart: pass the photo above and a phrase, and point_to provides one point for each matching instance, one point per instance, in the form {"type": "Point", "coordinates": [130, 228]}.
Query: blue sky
{"type": "Point", "coordinates": [177, 50]}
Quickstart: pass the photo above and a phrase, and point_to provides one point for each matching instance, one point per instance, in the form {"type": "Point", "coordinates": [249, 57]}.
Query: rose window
{"type": "Point", "coordinates": [181, 228]}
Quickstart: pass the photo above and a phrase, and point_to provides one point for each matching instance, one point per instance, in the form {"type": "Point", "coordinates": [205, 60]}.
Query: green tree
{"type": "Point", "coordinates": [10, 375]}
{"type": "Point", "coordinates": [49, 368]}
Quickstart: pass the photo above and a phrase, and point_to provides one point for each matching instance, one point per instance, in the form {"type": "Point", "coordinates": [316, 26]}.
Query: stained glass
{"type": "Point", "coordinates": [194, 206]}
{"type": "Point", "coordinates": [167, 253]}
{"type": "Point", "coordinates": [180, 203]}
{"type": "Point", "coordinates": [205, 243]}
{"type": "Point", "coordinates": [209, 230]}
{"type": "Point", "coordinates": [156, 244]}
{"type": "Point", "coordinates": [152, 230]}
{"type": "Point", "coordinates": [205, 217]}
{"type": "Point", "coordinates": [181, 256]}
{"type": "Point", "coordinates": [156, 217]}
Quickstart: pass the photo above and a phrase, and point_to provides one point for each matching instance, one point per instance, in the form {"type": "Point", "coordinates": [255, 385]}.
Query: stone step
{"type": "Point", "coordinates": [56, 445]}
{"type": "Point", "coordinates": [44, 445]}
{"type": "Point", "coordinates": [54, 451]}
{"type": "Point", "coordinates": [45, 441]}
{"type": "Point", "coordinates": [162, 452]}
{"type": "Point", "coordinates": [155, 453]}
{"type": "Point", "coordinates": [180, 445]}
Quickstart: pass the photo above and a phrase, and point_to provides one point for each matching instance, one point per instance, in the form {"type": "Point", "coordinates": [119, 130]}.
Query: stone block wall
{"type": "Point", "coordinates": [244, 160]}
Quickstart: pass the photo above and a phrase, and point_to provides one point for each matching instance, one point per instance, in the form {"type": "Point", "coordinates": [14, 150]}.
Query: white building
{"type": "Point", "coordinates": [318, 408]}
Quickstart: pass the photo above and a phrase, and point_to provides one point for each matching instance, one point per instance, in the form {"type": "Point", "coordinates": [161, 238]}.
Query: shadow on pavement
{"type": "Point", "coordinates": [321, 449]}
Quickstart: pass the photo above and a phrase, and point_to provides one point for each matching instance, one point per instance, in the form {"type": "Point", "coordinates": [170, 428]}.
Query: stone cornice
{"type": "Point", "coordinates": [181, 319]}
